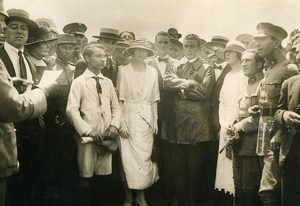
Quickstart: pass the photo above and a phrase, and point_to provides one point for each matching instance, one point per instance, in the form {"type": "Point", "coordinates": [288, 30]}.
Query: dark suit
{"type": "Point", "coordinates": [165, 148]}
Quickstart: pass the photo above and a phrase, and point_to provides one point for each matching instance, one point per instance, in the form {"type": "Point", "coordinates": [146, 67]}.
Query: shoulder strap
{"type": "Point", "coordinates": [7, 62]}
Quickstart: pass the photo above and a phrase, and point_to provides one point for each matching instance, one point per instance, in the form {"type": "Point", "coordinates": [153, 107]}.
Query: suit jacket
{"type": "Point", "coordinates": [15, 108]}
{"type": "Point", "coordinates": [289, 101]}
{"type": "Point", "coordinates": [166, 97]}
{"type": "Point", "coordinates": [214, 100]}
{"type": "Point", "coordinates": [190, 123]}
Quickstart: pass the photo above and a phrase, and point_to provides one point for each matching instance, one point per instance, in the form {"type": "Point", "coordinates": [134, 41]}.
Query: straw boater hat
{"type": "Point", "coordinates": [41, 34]}
{"type": "Point", "coordinates": [235, 46]}
{"type": "Point", "coordinates": [75, 28]}
{"type": "Point", "coordinates": [245, 38]}
{"type": "Point", "coordinates": [2, 11]}
{"type": "Point", "coordinates": [108, 33]}
{"type": "Point", "coordinates": [141, 44]}
{"type": "Point", "coordinates": [217, 41]}
{"type": "Point", "coordinates": [23, 16]}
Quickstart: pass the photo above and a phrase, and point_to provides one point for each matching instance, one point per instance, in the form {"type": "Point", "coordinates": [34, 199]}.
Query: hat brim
{"type": "Point", "coordinates": [176, 42]}
{"type": "Point", "coordinates": [260, 36]}
{"type": "Point", "coordinates": [41, 41]}
{"type": "Point", "coordinates": [32, 25]}
{"type": "Point", "coordinates": [130, 50]}
{"type": "Point", "coordinates": [215, 44]}
{"type": "Point", "coordinates": [107, 37]}
{"type": "Point", "coordinates": [78, 32]}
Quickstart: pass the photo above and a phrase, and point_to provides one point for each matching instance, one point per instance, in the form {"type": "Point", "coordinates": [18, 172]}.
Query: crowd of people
{"type": "Point", "coordinates": [130, 122]}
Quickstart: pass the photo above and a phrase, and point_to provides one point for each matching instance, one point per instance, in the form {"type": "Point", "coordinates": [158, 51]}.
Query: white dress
{"type": "Point", "coordinates": [233, 87]}
{"type": "Point", "coordinates": [138, 91]}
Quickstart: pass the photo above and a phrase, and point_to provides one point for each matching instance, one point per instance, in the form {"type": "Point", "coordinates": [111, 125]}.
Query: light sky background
{"type": "Point", "coordinates": [147, 17]}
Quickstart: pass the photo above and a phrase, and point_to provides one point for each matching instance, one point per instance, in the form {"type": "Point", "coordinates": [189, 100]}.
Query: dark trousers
{"type": "Point", "coordinates": [291, 175]}
{"type": "Point", "coordinates": [247, 172]}
{"type": "Point", "coordinates": [2, 190]}
{"type": "Point", "coordinates": [189, 172]}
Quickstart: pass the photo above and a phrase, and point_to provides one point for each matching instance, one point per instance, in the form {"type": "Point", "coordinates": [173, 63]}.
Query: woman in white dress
{"type": "Point", "coordinates": [233, 86]}
{"type": "Point", "coordinates": [138, 95]}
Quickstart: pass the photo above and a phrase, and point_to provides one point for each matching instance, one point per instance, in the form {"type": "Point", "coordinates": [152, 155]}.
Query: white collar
{"type": "Point", "coordinates": [9, 47]}
{"type": "Point", "coordinates": [89, 74]}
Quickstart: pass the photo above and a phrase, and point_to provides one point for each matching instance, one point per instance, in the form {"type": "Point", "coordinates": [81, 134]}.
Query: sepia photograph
{"type": "Point", "coordinates": [149, 103]}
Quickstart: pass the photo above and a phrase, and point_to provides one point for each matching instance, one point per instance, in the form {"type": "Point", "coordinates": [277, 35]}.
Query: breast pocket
{"type": "Point", "coordinates": [272, 89]}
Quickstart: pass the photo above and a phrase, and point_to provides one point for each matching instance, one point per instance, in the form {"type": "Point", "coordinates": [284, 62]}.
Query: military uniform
{"type": "Point", "coordinates": [277, 69]}
{"type": "Point", "coordinates": [289, 154]}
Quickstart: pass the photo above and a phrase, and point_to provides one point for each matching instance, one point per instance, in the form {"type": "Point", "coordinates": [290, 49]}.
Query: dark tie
{"type": "Point", "coordinates": [108, 62]}
{"type": "Point", "coordinates": [22, 65]}
{"type": "Point", "coordinates": [98, 87]}
{"type": "Point", "coordinates": [162, 59]}
{"type": "Point", "coordinates": [218, 67]}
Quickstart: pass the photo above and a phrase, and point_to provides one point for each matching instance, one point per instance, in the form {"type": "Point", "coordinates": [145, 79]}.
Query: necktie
{"type": "Point", "coordinates": [108, 62]}
{"type": "Point", "coordinates": [98, 87]}
{"type": "Point", "coordinates": [218, 67]}
{"type": "Point", "coordinates": [162, 59]}
{"type": "Point", "coordinates": [22, 65]}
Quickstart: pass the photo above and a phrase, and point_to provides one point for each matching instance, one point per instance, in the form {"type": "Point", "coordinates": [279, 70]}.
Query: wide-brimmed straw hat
{"type": "Point", "coordinates": [23, 16]}
{"type": "Point", "coordinates": [141, 44]}
{"type": "Point", "coordinates": [41, 34]}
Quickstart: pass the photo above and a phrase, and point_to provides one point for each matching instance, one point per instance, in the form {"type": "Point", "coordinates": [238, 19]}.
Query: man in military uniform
{"type": "Point", "coordinates": [78, 31]}
{"type": "Point", "coordinates": [288, 118]}
{"type": "Point", "coordinates": [61, 155]}
{"type": "Point", "coordinates": [277, 69]}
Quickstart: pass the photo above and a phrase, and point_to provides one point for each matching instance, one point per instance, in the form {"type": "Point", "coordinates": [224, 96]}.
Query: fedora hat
{"type": "Point", "coordinates": [141, 44]}
{"type": "Point", "coordinates": [41, 34]}
{"type": "Point", "coordinates": [108, 33]}
{"type": "Point", "coordinates": [2, 11]}
{"type": "Point", "coordinates": [265, 29]}
{"type": "Point", "coordinates": [66, 39]}
{"type": "Point", "coordinates": [217, 41]}
{"type": "Point", "coordinates": [174, 33]}
{"type": "Point", "coordinates": [176, 42]}
{"type": "Point", "coordinates": [75, 28]}
{"type": "Point", "coordinates": [245, 38]}
{"type": "Point", "coordinates": [23, 16]}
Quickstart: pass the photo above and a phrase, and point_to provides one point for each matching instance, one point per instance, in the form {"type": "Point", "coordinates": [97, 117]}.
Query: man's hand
{"type": "Point", "coordinates": [192, 84]}
{"type": "Point", "coordinates": [112, 132]}
{"type": "Point", "coordinates": [96, 136]}
{"type": "Point", "coordinates": [254, 111]}
{"type": "Point", "coordinates": [291, 118]}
